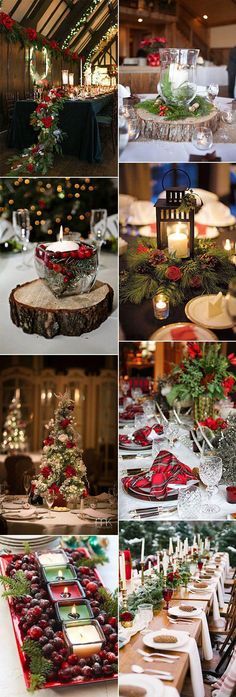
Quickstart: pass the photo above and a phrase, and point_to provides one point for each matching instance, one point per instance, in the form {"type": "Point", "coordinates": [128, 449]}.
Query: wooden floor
{"type": "Point", "coordinates": [69, 166]}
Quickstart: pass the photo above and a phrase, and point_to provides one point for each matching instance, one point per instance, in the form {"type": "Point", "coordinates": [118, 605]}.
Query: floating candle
{"type": "Point", "coordinates": [53, 573]}
{"type": "Point", "coordinates": [80, 610]}
{"type": "Point", "coordinates": [73, 588]}
{"type": "Point", "coordinates": [62, 245]}
{"type": "Point", "coordinates": [84, 638]}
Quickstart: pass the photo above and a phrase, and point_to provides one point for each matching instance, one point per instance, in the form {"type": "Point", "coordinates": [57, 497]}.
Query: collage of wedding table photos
{"type": "Point", "coordinates": [118, 348]}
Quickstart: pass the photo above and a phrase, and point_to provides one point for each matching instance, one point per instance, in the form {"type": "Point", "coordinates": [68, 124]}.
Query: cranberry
{"type": "Point", "coordinates": [108, 670]}
{"type": "Point", "coordinates": [111, 657]}
{"type": "Point", "coordinates": [113, 638]}
{"type": "Point", "coordinates": [43, 625]}
{"type": "Point", "coordinates": [112, 621]}
{"type": "Point", "coordinates": [58, 643]}
{"type": "Point", "coordinates": [47, 649]}
{"type": "Point", "coordinates": [97, 669]}
{"type": "Point", "coordinates": [49, 633]}
{"type": "Point", "coordinates": [65, 675]}
{"type": "Point", "coordinates": [87, 672]}
{"type": "Point", "coordinates": [35, 632]}
{"type": "Point", "coordinates": [107, 629]}
{"type": "Point", "coordinates": [73, 659]}
{"type": "Point", "coordinates": [81, 662]}
{"type": "Point", "coordinates": [57, 658]}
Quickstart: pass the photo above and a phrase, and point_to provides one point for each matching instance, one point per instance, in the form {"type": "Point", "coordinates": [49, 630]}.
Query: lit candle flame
{"type": "Point", "coordinates": [73, 610]}
{"type": "Point", "coordinates": [65, 590]}
{"type": "Point", "coordinates": [61, 234]}
{"type": "Point", "coordinates": [60, 574]}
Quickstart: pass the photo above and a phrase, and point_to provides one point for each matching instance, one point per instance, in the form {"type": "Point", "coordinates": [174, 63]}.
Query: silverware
{"type": "Point", "coordinates": [149, 508]}
{"type": "Point", "coordinates": [161, 674]}
{"type": "Point", "coordinates": [155, 513]}
{"type": "Point", "coordinates": [158, 653]}
{"type": "Point", "coordinates": [148, 659]}
{"type": "Point", "coordinates": [196, 442]}
{"type": "Point", "coordinates": [134, 457]}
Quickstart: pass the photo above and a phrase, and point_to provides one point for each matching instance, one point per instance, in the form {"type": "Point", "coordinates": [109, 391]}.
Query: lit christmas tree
{"type": "Point", "coordinates": [14, 436]}
{"type": "Point", "coordinates": [62, 469]}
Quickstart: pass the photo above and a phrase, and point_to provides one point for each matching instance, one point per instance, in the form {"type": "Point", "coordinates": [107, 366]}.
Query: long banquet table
{"type": "Point", "coordinates": [77, 120]}
{"type": "Point", "coordinates": [170, 151]}
{"type": "Point", "coordinates": [179, 669]}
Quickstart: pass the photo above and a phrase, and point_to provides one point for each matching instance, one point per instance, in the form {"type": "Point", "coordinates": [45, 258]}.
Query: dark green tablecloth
{"type": "Point", "coordinates": [77, 120]}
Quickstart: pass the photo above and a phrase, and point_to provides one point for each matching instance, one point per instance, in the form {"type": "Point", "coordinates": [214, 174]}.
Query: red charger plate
{"type": "Point", "coordinates": [4, 561]}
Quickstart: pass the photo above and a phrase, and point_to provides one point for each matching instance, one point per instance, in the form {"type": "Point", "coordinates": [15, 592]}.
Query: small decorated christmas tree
{"type": "Point", "coordinates": [62, 469]}
{"type": "Point", "coordinates": [14, 436]}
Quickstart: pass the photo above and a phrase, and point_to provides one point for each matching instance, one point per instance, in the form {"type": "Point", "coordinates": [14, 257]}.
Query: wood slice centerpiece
{"type": "Point", "coordinates": [157, 127]}
{"type": "Point", "coordinates": [36, 310]}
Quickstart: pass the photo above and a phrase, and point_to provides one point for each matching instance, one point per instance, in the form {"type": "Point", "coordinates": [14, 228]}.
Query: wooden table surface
{"type": "Point", "coordinates": [179, 669]}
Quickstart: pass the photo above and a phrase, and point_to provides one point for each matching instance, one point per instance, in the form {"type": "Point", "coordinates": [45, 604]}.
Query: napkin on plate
{"type": "Point", "coordinates": [184, 333]}
{"type": "Point", "coordinates": [143, 436]}
{"type": "Point", "coordinates": [165, 472]}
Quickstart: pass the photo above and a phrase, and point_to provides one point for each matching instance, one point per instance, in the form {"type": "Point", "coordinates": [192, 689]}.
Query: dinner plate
{"type": "Point", "coordinates": [164, 333]}
{"type": "Point", "coordinates": [197, 311]}
{"type": "Point", "coordinates": [134, 446]}
{"type": "Point", "coordinates": [124, 422]}
{"type": "Point", "coordinates": [177, 612]}
{"type": "Point", "coordinates": [153, 686]}
{"type": "Point", "coordinates": [196, 589]}
{"type": "Point", "coordinates": [11, 506]}
{"type": "Point", "coordinates": [182, 638]}
{"type": "Point", "coordinates": [142, 493]}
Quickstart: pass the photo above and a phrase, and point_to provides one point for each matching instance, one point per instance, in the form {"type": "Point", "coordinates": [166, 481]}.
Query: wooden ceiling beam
{"type": "Point", "coordinates": [86, 26]}
{"type": "Point", "coordinates": [97, 36]}
{"type": "Point", "coordinates": [39, 9]}
{"type": "Point", "coordinates": [69, 22]}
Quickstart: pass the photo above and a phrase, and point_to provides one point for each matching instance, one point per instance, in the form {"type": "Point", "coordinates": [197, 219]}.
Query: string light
{"type": "Point", "coordinates": [83, 20]}
{"type": "Point", "coordinates": [102, 43]}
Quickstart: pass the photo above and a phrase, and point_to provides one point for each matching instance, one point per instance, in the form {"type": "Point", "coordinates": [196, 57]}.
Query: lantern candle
{"type": "Point", "coordinates": [83, 638]}
{"type": "Point", "coordinates": [53, 573]}
{"type": "Point", "coordinates": [80, 610]}
{"type": "Point", "coordinates": [178, 244]}
{"type": "Point", "coordinates": [161, 306]}
{"type": "Point", "coordinates": [71, 590]}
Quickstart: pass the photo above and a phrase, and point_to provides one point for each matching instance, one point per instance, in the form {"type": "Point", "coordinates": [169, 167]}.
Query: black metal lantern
{"type": "Point", "coordinates": [175, 227]}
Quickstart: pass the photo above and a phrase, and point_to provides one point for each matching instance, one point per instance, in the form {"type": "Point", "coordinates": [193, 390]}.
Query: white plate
{"type": "Point", "coordinates": [177, 612]}
{"type": "Point", "coordinates": [196, 589]}
{"type": "Point", "coordinates": [134, 446]}
{"type": "Point", "coordinates": [197, 311]}
{"type": "Point", "coordinates": [153, 686]}
{"type": "Point", "coordinates": [126, 422]}
{"type": "Point", "coordinates": [182, 638]}
{"type": "Point", "coordinates": [11, 506]}
{"type": "Point", "coordinates": [164, 333]}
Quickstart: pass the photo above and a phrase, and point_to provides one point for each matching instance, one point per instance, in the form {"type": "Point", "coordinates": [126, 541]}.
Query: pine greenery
{"type": "Point", "coordinates": [39, 666]}
{"type": "Point", "coordinates": [109, 601]}
{"type": "Point", "coordinates": [16, 587]}
{"type": "Point", "coordinates": [176, 112]}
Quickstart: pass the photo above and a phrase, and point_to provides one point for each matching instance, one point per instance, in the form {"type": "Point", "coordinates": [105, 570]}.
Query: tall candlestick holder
{"type": "Point", "coordinates": [142, 573]}
{"type": "Point", "coordinates": [124, 598]}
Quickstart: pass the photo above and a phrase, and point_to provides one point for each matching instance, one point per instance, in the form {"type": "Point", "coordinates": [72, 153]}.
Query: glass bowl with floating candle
{"type": "Point", "coordinates": [83, 638]}
{"type": "Point", "coordinates": [60, 574]}
{"type": "Point", "coordinates": [67, 268]}
{"type": "Point", "coordinates": [66, 590]}
{"type": "Point", "coordinates": [73, 611]}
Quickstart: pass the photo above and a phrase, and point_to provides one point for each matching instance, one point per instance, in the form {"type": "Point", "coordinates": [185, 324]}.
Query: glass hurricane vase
{"type": "Point", "coordinates": [67, 272]}
{"type": "Point", "coordinates": [178, 79]}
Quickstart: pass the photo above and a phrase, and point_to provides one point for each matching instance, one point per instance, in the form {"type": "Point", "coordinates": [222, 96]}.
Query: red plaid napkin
{"type": "Point", "coordinates": [130, 412]}
{"type": "Point", "coordinates": [140, 437]}
{"type": "Point", "coordinates": [165, 471]}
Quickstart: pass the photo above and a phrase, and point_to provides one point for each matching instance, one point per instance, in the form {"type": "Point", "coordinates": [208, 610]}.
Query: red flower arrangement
{"type": "Point", "coordinates": [228, 384]}
{"type": "Point", "coordinates": [46, 471]}
{"type": "Point", "coordinates": [214, 424]}
{"type": "Point", "coordinates": [31, 34]}
{"type": "Point", "coordinates": [194, 349]}
{"type": "Point", "coordinates": [47, 121]}
{"type": "Point", "coordinates": [6, 21]}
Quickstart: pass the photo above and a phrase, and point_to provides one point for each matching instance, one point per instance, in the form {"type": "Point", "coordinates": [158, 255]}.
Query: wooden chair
{"type": "Point", "coordinates": [16, 466]}
{"type": "Point", "coordinates": [108, 118]}
{"type": "Point", "coordinates": [10, 99]}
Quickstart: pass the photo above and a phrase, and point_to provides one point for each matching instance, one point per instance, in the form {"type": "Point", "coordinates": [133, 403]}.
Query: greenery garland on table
{"type": "Point", "coordinates": [28, 36]}
{"type": "Point", "coordinates": [173, 112]}
{"type": "Point", "coordinates": [38, 158]}
{"type": "Point", "coordinates": [151, 270]}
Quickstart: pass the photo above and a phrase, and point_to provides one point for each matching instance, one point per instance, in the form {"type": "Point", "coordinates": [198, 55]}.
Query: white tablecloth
{"type": "Point", "coordinates": [208, 74]}
{"type": "Point", "coordinates": [60, 523]}
{"type": "Point", "coordinates": [166, 151]}
{"type": "Point", "coordinates": [11, 676]}
{"type": "Point", "coordinates": [128, 503]}
{"type": "Point", "coordinates": [13, 340]}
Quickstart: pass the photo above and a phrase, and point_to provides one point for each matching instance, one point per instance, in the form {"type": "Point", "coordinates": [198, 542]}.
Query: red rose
{"type": "Point", "coordinates": [64, 423]}
{"type": "Point", "coordinates": [34, 149]}
{"type": "Point", "coordinates": [173, 273]}
{"type": "Point", "coordinates": [48, 441]}
{"type": "Point", "coordinates": [6, 20]}
{"type": "Point", "coordinates": [141, 249]}
{"type": "Point", "coordinates": [30, 167]}
{"type": "Point", "coordinates": [54, 45]}
{"type": "Point", "coordinates": [170, 577]}
{"type": "Point", "coordinates": [70, 471]}
{"type": "Point", "coordinates": [46, 471]}
{"type": "Point", "coordinates": [47, 121]}
{"type": "Point", "coordinates": [228, 384]}
{"type": "Point", "coordinates": [46, 98]}
{"type": "Point", "coordinates": [40, 107]}
{"type": "Point", "coordinates": [74, 56]}
{"type": "Point", "coordinates": [54, 488]}
{"type": "Point", "coordinates": [32, 34]}
{"type": "Point", "coordinates": [70, 445]}
{"type": "Point", "coordinates": [232, 358]}
{"type": "Point", "coordinates": [195, 282]}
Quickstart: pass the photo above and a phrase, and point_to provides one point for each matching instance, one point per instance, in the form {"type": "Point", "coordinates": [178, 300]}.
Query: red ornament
{"type": "Point", "coordinates": [173, 273]}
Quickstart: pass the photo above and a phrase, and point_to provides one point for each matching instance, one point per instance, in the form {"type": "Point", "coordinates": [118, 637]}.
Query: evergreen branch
{"type": "Point", "coordinates": [91, 563]}
{"type": "Point", "coordinates": [109, 601]}
{"type": "Point", "coordinates": [17, 587]}
{"type": "Point", "coordinates": [39, 666]}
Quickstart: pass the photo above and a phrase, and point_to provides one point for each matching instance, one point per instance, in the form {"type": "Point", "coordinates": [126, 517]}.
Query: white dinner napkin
{"type": "Point", "coordinates": [195, 667]}
{"type": "Point", "coordinates": [92, 513]}
{"type": "Point", "coordinates": [170, 691]}
{"type": "Point", "coordinates": [206, 639]}
{"type": "Point", "coordinates": [24, 514]}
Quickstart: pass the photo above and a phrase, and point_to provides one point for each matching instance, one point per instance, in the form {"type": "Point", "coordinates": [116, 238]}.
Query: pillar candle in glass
{"type": "Point", "coordinates": [178, 243]}
{"type": "Point", "coordinates": [68, 610]}
{"type": "Point", "coordinates": [161, 306]}
{"type": "Point", "coordinates": [60, 574]}
{"type": "Point", "coordinates": [83, 638]}
{"type": "Point", "coordinates": [71, 590]}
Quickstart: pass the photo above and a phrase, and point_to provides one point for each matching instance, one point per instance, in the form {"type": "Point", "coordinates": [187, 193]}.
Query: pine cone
{"type": "Point", "coordinates": [157, 257]}
{"type": "Point", "coordinates": [208, 261]}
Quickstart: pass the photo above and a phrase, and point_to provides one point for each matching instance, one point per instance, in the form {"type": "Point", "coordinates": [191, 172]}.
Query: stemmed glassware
{"type": "Point", "coordinates": [145, 612]}
{"type": "Point", "coordinates": [27, 483]}
{"type": "Point", "coordinates": [98, 226]}
{"type": "Point", "coordinates": [189, 503]}
{"type": "Point", "coordinates": [49, 498]}
{"type": "Point", "coordinates": [167, 595]}
{"type": "Point", "coordinates": [21, 225]}
{"type": "Point", "coordinates": [212, 91]}
{"type": "Point", "coordinates": [210, 471]}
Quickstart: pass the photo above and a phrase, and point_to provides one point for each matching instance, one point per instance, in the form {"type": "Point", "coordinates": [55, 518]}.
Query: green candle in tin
{"type": "Point", "coordinates": [73, 611]}
{"type": "Point", "coordinates": [53, 573]}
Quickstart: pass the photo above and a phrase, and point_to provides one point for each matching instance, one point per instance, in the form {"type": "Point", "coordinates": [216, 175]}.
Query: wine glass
{"type": "Point", "coordinates": [212, 91]}
{"type": "Point", "coordinates": [189, 503]}
{"type": "Point", "coordinates": [21, 225]}
{"type": "Point", "coordinates": [98, 226]}
{"type": "Point", "coordinates": [140, 421]}
{"type": "Point", "coordinates": [27, 483]}
{"type": "Point", "coordinates": [167, 595]}
{"type": "Point", "coordinates": [145, 612]}
{"type": "Point", "coordinates": [210, 471]}
{"type": "Point", "coordinates": [49, 498]}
